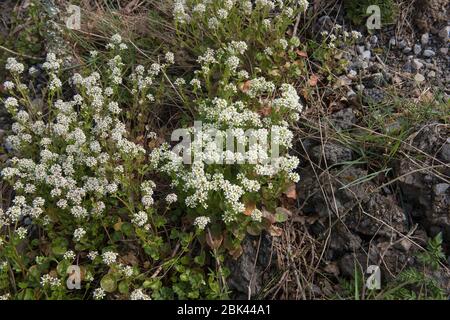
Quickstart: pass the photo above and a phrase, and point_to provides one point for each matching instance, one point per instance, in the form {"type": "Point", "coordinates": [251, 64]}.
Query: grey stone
{"type": "Point", "coordinates": [343, 119]}
{"type": "Point", "coordinates": [417, 64]}
{"type": "Point", "coordinates": [426, 194]}
{"type": "Point", "coordinates": [428, 53]}
{"type": "Point", "coordinates": [417, 49]}
{"type": "Point", "coordinates": [424, 39]}
{"type": "Point", "coordinates": [407, 50]}
{"type": "Point", "coordinates": [444, 50]}
{"type": "Point", "coordinates": [392, 42]}
{"type": "Point", "coordinates": [419, 78]}
{"type": "Point", "coordinates": [408, 67]}
{"type": "Point", "coordinates": [401, 44]}
{"type": "Point", "coordinates": [444, 33]}
{"type": "Point", "coordinates": [445, 152]}
{"type": "Point", "coordinates": [441, 188]}
{"type": "Point", "coordinates": [333, 153]}
{"type": "Point", "coordinates": [360, 49]}
{"type": "Point", "coordinates": [246, 274]}
{"type": "Point", "coordinates": [366, 55]}
{"type": "Point", "coordinates": [373, 39]}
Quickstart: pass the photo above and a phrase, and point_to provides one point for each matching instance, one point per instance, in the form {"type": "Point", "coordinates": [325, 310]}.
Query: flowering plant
{"type": "Point", "coordinates": [86, 170]}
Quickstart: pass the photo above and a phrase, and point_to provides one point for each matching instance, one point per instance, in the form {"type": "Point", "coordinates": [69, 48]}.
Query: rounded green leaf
{"type": "Point", "coordinates": [108, 283]}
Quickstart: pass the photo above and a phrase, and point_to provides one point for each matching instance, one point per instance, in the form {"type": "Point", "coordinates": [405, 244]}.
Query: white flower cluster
{"type": "Point", "coordinates": [147, 193]}
{"type": "Point", "coordinates": [201, 222]}
{"type": "Point", "coordinates": [6, 296]}
{"type": "Point", "coordinates": [171, 198]}
{"type": "Point", "coordinates": [179, 11]}
{"type": "Point", "coordinates": [256, 215]}
{"type": "Point", "coordinates": [69, 255]}
{"type": "Point", "coordinates": [13, 66]}
{"type": "Point", "coordinates": [127, 271]}
{"type": "Point", "coordinates": [78, 234]}
{"type": "Point", "coordinates": [98, 294]}
{"type": "Point", "coordinates": [231, 117]}
{"type": "Point", "coordinates": [92, 255]}
{"type": "Point", "coordinates": [91, 142]}
{"type": "Point", "coordinates": [138, 294]}
{"type": "Point", "coordinates": [140, 219]}
{"type": "Point", "coordinates": [187, 11]}
{"type": "Point", "coordinates": [115, 43]}
{"type": "Point", "coordinates": [109, 257]}
{"type": "Point", "coordinates": [50, 280]}
{"type": "Point", "coordinates": [339, 34]}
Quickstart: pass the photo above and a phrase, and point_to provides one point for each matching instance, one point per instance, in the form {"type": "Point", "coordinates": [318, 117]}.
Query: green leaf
{"type": "Point", "coordinates": [282, 214]}
{"type": "Point", "coordinates": [127, 229]}
{"type": "Point", "coordinates": [62, 267]}
{"type": "Point", "coordinates": [29, 294]}
{"type": "Point", "coordinates": [108, 283]}
{"type": "Point", "coordinates": [124, 287]}
{"type": "Point", "coordinates": [59, 246]}
{"type": "Point", "coordinates": [200, 260]}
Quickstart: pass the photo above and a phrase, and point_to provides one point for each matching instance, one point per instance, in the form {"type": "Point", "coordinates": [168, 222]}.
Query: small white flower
{"type": "Point", "coordinates": [8, 85]}
{"type": "Point", "coordinates": [14, 66]}
{"type": "Point", "coordinates": [195, 83]}
{"type": "Point", "coordinates": [256, 215]}
{"type": "Point", "coordinates": [11, 103]}
{"type": "Point", "coordinates": [98, 294]}
{"type": "Point", "coordinates": [356, 34]}
{"type": "Point", "coordinates": [109, 257]}
{"type": "Point", "coordinates": [170, 58]}
{"type": "Point", "coordinates": [171, 198]}
{"type": "Point", "coordinates": [69, 255]}
{"type": "Point", "coordinates": [213, 23]}
{"type": "Point", "coordinates": [6, 296]}
{"type": "Point", "coordinates": [222, 14]}
{"type": "Point", "coordinates": [140, 218]}
{"type": "Point", "coordinates": [138, 294]}
{"type": "Point", "coordinates": [92, 255]}
{"type": "Point", "coordinates": [21, 232]}
{"type": "Point", "coordinates": [127, 271]}
{"type": "Point", "coordinates": [179, 82]}
{"type": "Point", "coordinates": [116, 39]}
{"type": "Point", "coordinates": [199, 8]}
{"type": "Point", "coordinates": [47, 279]}
{"type": "Point", "coordinates": [78, 234]}
{"type": "Point", "coordinates": [202, 222]}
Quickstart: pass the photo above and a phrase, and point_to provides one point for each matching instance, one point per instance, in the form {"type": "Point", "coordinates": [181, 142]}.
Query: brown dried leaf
{"type": "Point", "coordinates": [214, 242]}
{"type": "Point", "coordinates": [291, 191]}
{"type": "Point", "coordinates": [269, 216]}
{"type": "Point", "coordinates": [275, 231]}
{"type": "Point", "coordinates": [301, 53]}
{"type": "Point", "coordinates": [249, 207]}
{"type": "Point", "coordinates": [129, 259]}
{"type": "Point", "coordinates": [236, 252]}
{"type": "Point", "coordinates": [313, 80]}
{"type": "Point", "coordinates": [244, 87]}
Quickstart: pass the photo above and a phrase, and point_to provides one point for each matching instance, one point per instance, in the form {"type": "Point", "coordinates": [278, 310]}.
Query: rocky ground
{"type": "Point", "coordinates": [382, 221]}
